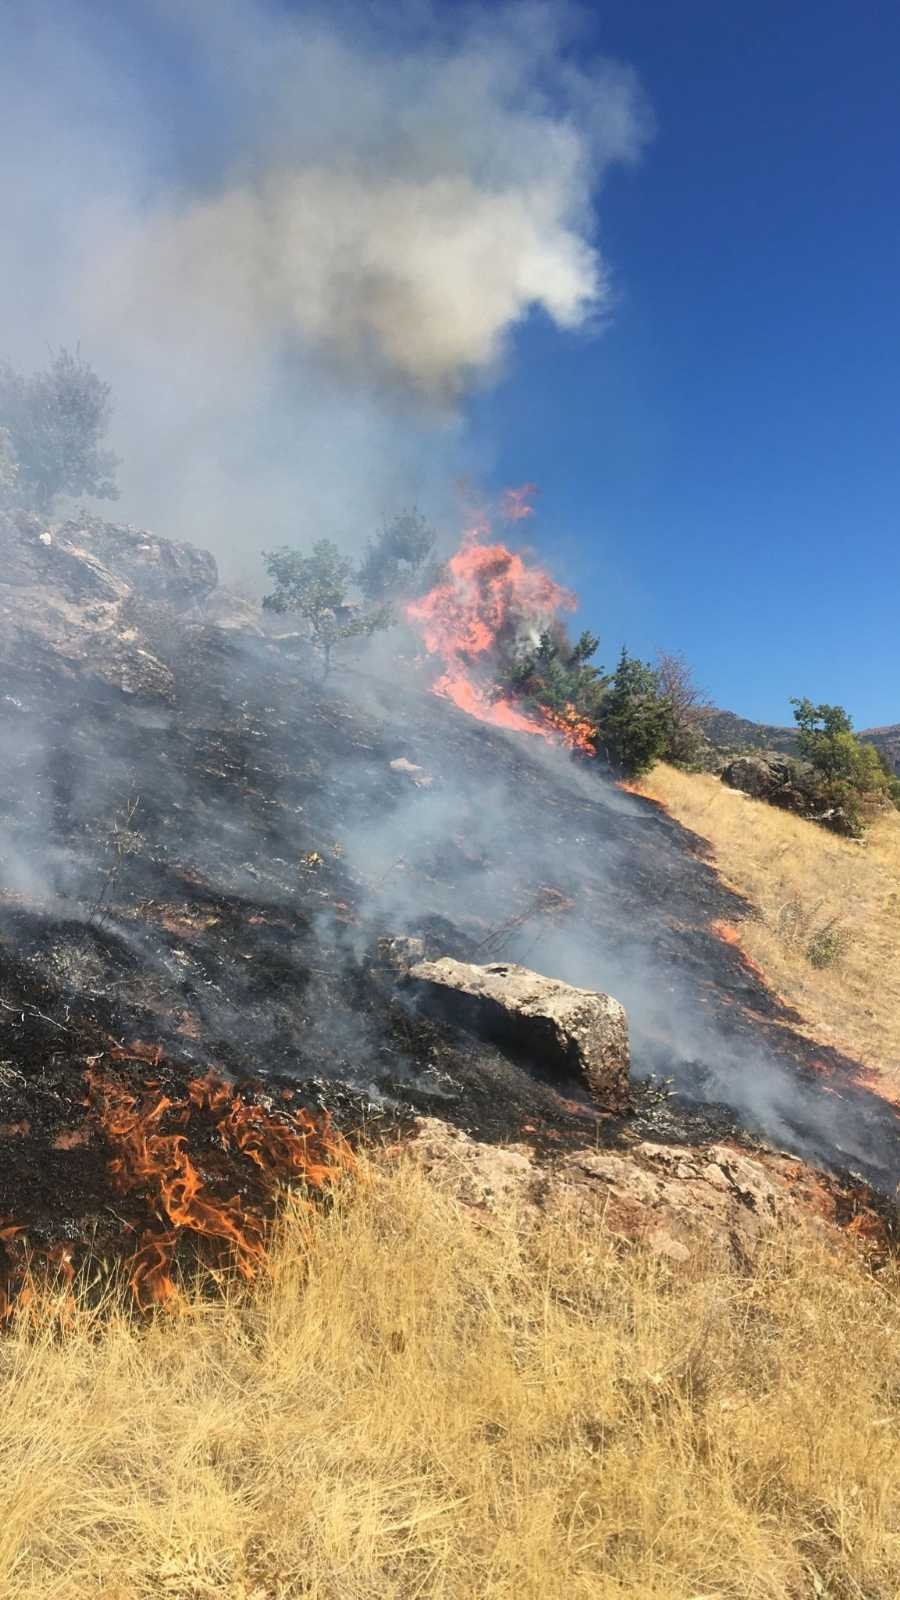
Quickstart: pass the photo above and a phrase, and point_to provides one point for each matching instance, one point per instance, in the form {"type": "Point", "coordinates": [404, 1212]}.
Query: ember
{"type": "Point", "coordinates": [493, 601]}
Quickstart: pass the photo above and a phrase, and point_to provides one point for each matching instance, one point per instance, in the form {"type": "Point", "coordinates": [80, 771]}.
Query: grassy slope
{"type": "Point", "coordinates": [802, 880]}
{"type": "Point", "coordinates": [418, 1402]}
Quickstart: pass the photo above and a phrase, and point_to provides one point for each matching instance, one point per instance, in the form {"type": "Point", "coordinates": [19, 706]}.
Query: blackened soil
{"type": "Point", "coordinates": [213, 876]}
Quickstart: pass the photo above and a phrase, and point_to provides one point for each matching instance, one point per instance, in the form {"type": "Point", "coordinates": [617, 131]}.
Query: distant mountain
{"type": "Point", "coordinates": [732, 732]}
{"type": "Point", "coordinates": [887, 740]}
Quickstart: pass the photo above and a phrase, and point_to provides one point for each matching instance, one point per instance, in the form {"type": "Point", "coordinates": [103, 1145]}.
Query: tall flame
{"type": "Point", "coordinates": [492, 602]}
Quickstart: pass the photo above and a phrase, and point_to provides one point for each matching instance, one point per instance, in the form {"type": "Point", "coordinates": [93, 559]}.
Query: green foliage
{"type": "Point", "coordinates": [890, 777]}
{"type": "Point", "coordinates": [559, 676]}
{"type": "Point", "coordinates": [637, 723]}
{"type": "Point", "coordinates": [53, 424]}
{"type": "Point", "coordinates": [828, 945]}
{"type": "Point", "coordinates": [853, 778]}
{"type": "Point", "coordinates": [394, 559]}
{"type": "Point", "coordinates": [315, 585]}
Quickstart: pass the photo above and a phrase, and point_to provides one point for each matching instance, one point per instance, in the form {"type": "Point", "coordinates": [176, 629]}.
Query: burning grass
{"type": "Point", "coordinates": [192, 1165]}
{"type": "Point", "coordinates": [414, 1400]}
{"type": "Point", "coordinates": [827, 929]}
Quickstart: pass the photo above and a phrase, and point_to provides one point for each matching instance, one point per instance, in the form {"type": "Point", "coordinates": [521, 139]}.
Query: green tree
{"type": "Point", "coordinates": [558, 675]}
{"type": "Point", "coordinates": [395, 557]}
{"type": "Point", "coordinates": [316, 585]}
{"type": "Point", "coordinates": [55, 422]}
{"type": "Point", "coordinates": [636, 724]}
{"type": "Point", "coordinates": [890, 777]}
{"type": "Point", "coordinates": [851, 775]}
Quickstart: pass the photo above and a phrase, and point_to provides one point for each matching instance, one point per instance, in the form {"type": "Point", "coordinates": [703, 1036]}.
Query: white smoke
{"type": "Point", "coordinates": [413, 280]}
{"type": "Point", "coordinates": [292, 266]}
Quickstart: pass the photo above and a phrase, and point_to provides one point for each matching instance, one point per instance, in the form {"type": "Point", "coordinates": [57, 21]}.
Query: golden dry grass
{"type": "Point", "coordinates": [416, 1403]}
{"type": "Point", "coordinates": [804, 881]}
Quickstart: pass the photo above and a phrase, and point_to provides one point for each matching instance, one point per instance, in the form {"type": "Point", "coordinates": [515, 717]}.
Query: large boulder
{"type": "Point", "coordinates": [559, 1026]}
{"type": "Point", "coordinates": [794, 785]}
{"type": "Point", "coordinates": [771, 775]}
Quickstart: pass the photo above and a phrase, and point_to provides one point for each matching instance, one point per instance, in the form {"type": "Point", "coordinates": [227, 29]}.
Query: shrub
{"type": "Point", "coordinates": [828, 945]}
{"type": "Point", "coordinates": [852, 782]}
{"type": "Point", "coordinates": [316, 587]}
{"type": "Point", "coordinates": [688, 746]}
{"type": "Point", "coordinates": [637, 724]}
{"type": "Point", "coordinates": [558, 675]}
{"type": "Point", "coordinates": [52, 425]}
{"type": "Point", "coordinates": [394, 559]}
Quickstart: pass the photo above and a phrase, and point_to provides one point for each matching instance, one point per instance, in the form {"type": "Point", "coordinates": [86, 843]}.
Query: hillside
{"type": "Point", "coordinates": [432, 1318]}
{"type": "Point", "coordinates": [821, 914]}
{"type": "Point", "coordinates": [732, 732]}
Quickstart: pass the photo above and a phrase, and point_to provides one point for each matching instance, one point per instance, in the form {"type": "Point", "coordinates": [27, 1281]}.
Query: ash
{"type": "Point", "coordinates": [209, 852]}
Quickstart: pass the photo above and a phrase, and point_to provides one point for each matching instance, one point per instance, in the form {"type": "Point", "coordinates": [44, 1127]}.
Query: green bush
{"type": "Point", "coordinates": [559, 676]}
{"type": "Point", "coordinates": [853, 780]}
{"type": "Point", "coordinates": [637, 724]}
{"type": "Point", "coordinates": [392, 565]}
{"type": "Point", "coordinates": [316, 586]}
{"type": "Point", "coordinates": [828, 945]}
{"type": "Point", "coordinates": [51, 428]}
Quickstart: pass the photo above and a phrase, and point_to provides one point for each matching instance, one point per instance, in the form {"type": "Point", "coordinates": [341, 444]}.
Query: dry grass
{"type": "Point", "coordinates": [419, 1404]}
{"type": "Point", "coordinates": [817, 897]}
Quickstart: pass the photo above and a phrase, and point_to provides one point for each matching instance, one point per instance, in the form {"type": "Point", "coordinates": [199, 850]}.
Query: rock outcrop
{"type": "Point", "coordinates": [673, 1199]}
{"type": "Point", "coordinates": [789, 783]}
{"type": "Point", "coordinates": [72, 597]}
{"type": "Point", "coordinates": [560, 1027]}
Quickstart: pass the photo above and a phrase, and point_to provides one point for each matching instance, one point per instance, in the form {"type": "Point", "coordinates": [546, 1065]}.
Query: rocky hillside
{"type": "Point", "coordinates": [213, 863]}
{"type": "Point", "coordinates": [731, 732]}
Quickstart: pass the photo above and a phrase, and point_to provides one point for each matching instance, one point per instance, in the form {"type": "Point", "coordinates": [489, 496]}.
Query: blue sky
{"type": "Point", "coordinates": [718, 462]}
{"type": "Point", "coordinates": [720, 467]}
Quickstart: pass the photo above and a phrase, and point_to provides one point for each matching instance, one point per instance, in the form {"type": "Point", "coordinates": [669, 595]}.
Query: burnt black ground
{"type": "Point", "coordinates": [235, 920]}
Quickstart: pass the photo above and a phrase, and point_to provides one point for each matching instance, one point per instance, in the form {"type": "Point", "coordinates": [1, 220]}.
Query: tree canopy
{"type": "Point", "coordinates": [52, 425]}
{"type": "Point", "coordinates": [316, 586]}
{"type": "Point", "coordinates": [394, 559]}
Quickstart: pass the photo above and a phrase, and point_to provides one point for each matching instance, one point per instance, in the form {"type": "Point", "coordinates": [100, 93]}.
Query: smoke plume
{"type": "Point", "coordinates": [292, 240]}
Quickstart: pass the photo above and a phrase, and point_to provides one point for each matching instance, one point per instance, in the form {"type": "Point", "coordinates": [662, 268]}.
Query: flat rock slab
{"type": "Point", "coordinates": [559, 1026]}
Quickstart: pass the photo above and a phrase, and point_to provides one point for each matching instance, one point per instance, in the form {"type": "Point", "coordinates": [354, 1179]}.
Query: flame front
{"type": "Point", "coordinates": [159, 1165]}
{"type": "Point", "coordinates": [492, 605]}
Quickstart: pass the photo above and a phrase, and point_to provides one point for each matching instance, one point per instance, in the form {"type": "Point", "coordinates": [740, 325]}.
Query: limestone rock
{"type": "Point", "coordinates": [559, 1026]}
{"type": "Point", "coordinates": [674, 1199]}
{"type": "Point", "coordinates": [78, 599]}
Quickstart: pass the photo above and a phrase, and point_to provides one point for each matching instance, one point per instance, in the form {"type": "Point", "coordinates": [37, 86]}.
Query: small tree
{"type": "Point", "coordinates": [396, 556]}
{"type": "Point", "coordinates": [316, 587]}
{"type": "Point", "coordinates": [558, 675]}
{"type": "Point", "coordinates": [851, 774]}
{"type": "Point", "coordinates": [54, 422]}
{"type": "Point", "coordinates": [686, 704]}
{"type": "Point", "coordinates": [636, 725]}
{"type": "Point", "coordinates": [890, 777]}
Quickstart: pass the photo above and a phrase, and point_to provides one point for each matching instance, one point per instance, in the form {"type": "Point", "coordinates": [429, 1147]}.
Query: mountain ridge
{"type": "Point", "coordinates": [728, 729]}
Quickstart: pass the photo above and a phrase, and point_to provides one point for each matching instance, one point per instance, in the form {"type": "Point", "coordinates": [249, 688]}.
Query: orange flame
{"type": "Point", "coordinates": [159, 1164]}
{"type": "Point", "coordinates": [489, 596]}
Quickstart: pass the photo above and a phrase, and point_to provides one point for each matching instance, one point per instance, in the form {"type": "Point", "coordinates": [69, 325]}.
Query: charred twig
{"type": "Point", "coordinates": [119, 834]}
{"type": "Point", "coordinates": [33, 1012]}
{"type": "Point", "coordinates": [547, 903]}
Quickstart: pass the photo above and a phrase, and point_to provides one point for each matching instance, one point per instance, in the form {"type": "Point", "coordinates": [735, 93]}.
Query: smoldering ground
{"type": "Point", "coordinates": [213, 871]}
